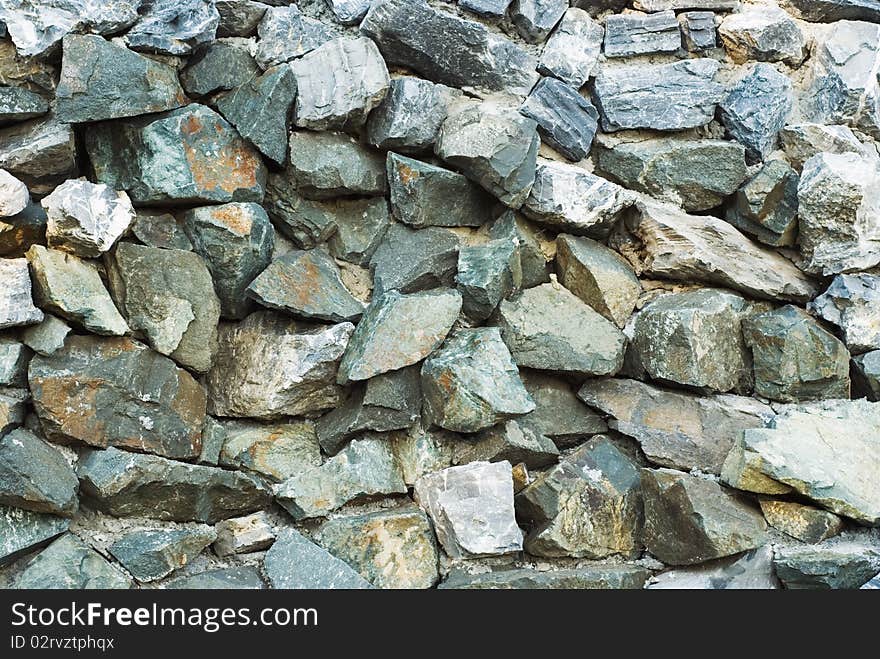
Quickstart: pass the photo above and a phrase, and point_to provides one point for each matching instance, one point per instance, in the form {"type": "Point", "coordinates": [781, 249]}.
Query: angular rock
{"type": "Point", "coordinates": [41, 152]}
{"type": "Point", "coordinates": [349, 12]}
{"type": "Point", "coordinates": [72, 288]}
{"type": "Point", "coordinates": [102, 80]}
{"type": "Point", "coordinates": [803, 141]}
{"type": "Point", "coordinates": [492, 145]}
{"type": "Point", "coordinates": [152, 554]}
{"type": "Point", "coordinates": [558, 413]}
{"type": "Point", "coordinates": [756, 109]}
{"type": "Point", "coordinates": [689, 520]}
{"type": "Point", "coordinates": [410, 260]}
{"type": "Point", "coordinates": [766, 205]}
{"type": "Point", "coordinates": [409, 117]}
{"type": "Point", "coordinates": [31, 73]}
{"type": "Point", "coordinates": [447, 49]}
{"type": "Point", "coordinates": [638, 34]}
{"type": "Point", "coordinates": [764, 33]}
{"type": "Point", "coordinates": [383, 340]}
{"type": "Point", "coordinates": [277, 451]}
{"type": "Point", "coordinates": [535, 19]}
{"type": "Point", "coordinates": [663, 5]}
{"type": "Point", "coordinates": [488, 8]}
{"type": "Point", "coordinates": [14, 195]}
{"type": "Point", "coordinates": [795, 358]}
{"type": "Point", "coordinates": [68, 563]}
{"type": "Point", "coordinates": [572, 199]}
{"type": "Point", "coordinates": [360, 225]}
{"type": "Point", "coordinates": [865, 375]}
{"type": "Point", "coordinates": [805, 523]}
{"type": "Point", "coordinates": [239, 18]}
{"type": "Point", "coordinates": [295, 562]}
{"type": "Point", "coordinates": [14, 358]}
{"type": "Point", "coordinates": [828, 11]}
{"type": "Point", "coordinates": [698, 30]}
{"type": "Point", "coordinates": [127, 484]}
{"type": "Point", "coordinates": [364, 468]}
{"type": "Point", "coordinates": [36, 28]}
{"type": "Point", "coordinates": [838, 213]}
{"type": "Point", "coordinates": [213, 438]}
{"type": "Point", "coordinates": [573, 49]}
{"type": "Point", "coordinates": [307, 223]}
{"type": "Point", "coordinates": [285, 34]}
{"type": "Point", "coordinates": [488, 273]}
{"type": "Point", "coordinates": [599, 577]}
{"type": "Point", "coordinates": [13, 407]}
{"type": "Point", "coordinates": [268, 366]}
{"type": "Point", "coordinates": [16, 304]}
{"type": "Point", "coordinates": [658, 96]}
{"type": "Point", "coordinates": [173, 27]}
{"type": "Point", "coordinates": [35, 476]}
{"type": "Point", "coordinates": [510, 441]}
{"type": "Point", "coordinates": [471, 383]}
{"type": "Point", "coordinates": [196, 156]}
{"type": "Point", "coordinates": [242, 535]}
{"type": "Point", "coordinates": [19, 104]}
{"type": "Point", "coordinates": [420, 451]}
{"type": "Point", "coordinates": [566, 120]}
{"type": "Point", "coordinates": [238, 578]}
{"type": "Point", "coordinates": [390, 548]}
{"type": "Point", "coordinates": [548, 328]}
{"type": "Point", "coordinates": [222, 65]}
{"type": "Point", "coordinates": [533, 255]}
{"type": "Point", "coordinates": [328, 165]}
{"type": "Point", "coordinates": [841, 565]}
{"type": "Point", "coordinates": [156, 228]}
{"type": "Point", "coordinates": [681, 247]}
{"type": "Point", "coordinates": [751, 571]}
{"type": "Point", "coordinates": [472, 509]}
{"type": "Point", "coordinates": [419, 190]}
{"type": "Point", "coordinates": [19, 232]}
{"type": "Point", "coordinates": [22, 531]}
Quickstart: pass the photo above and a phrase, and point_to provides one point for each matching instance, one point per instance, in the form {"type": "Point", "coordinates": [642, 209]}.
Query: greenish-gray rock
{"type": "Point", "coordinates": [152, 554]}
{"type": "Point", "coordinates": [16, 301]}
{"type": "Point", "coordinates": [802, 141]}
{"type": "Point", "coordinates": [488, 272]}
{"type": "Point", "coordinates": [409, 117]}
{"type": "Point", "coordinates": [850, 302]}
{"type": "Point", "coordinates": [752, 570]}
{"type": "Point", "coordinates": [222, 65]}
{"type": "Point", "coordinates": [410, 260]}
{"type": "Point", "coordinates": [35, 476]}
{"type": "Point", "coordinates": [13, 408]}
{"type": "Point", "coordinates": [68, 563]}
{"type": "Point", "coordinates": [598, 577]}
{"type": "Point", "coordinates": [360, 225]}
{"type": "Point", "coordinates": [420, 450]}
{"type": "Point", "coordinates": [244, 577]}
{"type": "Point", "coordinates": [510, 441]}
{"type": "Point", "coordinates": [328, 165]}
{"type": "Point", "coordinates": [306, 222]}
{"type": "Point", "coordinates": [173, 27]}
{"type": "Point", "coordinates": [640, 34]}
{"type": "Point", "coordinates": [19, 104]}
{"type": "Point", "coordinates": [805, 523]}
{"type": "Point", "coordinates": [14, 358]}
{"type": "Point", "coordinates": [566, 120]}
{"type": "Point", "coordinates": [157, 228]}
{"type": "Point", "coordinates": [532, 257]}
{"type": "Point", "coordinates": [41, 152]}
{"type": "Point", "coordinates": [277, 451]}
{"type": "Point", "coordinates": [766, 205]}
{"type": "Point", "coordinates": [285, 34]}
{"type": "Point", "coordinates": [19, 232]}
{"type": "Point", "coordinates": [242, 535]}
{"type": "Point", "coordinates": [295, 562]}
{"type": "Point", "coordinates": [573, 49]}
{"type": "Point", "coordinates": [22, 531]}
{"type": "Point", "coordinates": [841, 565]}
{"type": "Point", "coordinates": [865, 375]}
{"type": "Point", "coordinates": [765, 33]}
{"type": "Point", "coordinates": [558, 413]}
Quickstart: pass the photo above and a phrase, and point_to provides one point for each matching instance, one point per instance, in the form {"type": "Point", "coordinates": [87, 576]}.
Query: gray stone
{"type": "Point", "coordinates": [268, 366]}
{"type": "Point", "coordinates": [690, 520]}
{"type": "Point", "coordinates": [421, 450]}
{"type": "Point", "coordinates": [135, 398]}
{"type": "Point", "coordinates": [277, 451]}
{"type": "Point", "coordinates": [589, 505]}
{"type": "Point", "coordinates": [448, 49]}
{"type": "Point", "coordinates": [488, 8]}
{"type": "Point", "coordinates": [285, 34]}
{"type": "Point", "coordinates": [349, 12]}
{"type": "Point", "coordinates": [19, 232]}
{"type": "Point", "coordinates": [213, 438]}
{"type": "Point", "coordinates": [752, 570]}
{"type": "Point", "coordinates": [14, 195]}
{"type": "Point", "coordinates": [307, 223]}
{"type": "Point", "coordinates": [805, 523]}
{"type": "Point", "coordinates": [223, 64]}
{"type": "Point", "coordinates": [658, 96]}
{"type": "Point", "coordinates": [639, 34]}
{"type": "Point", "coordinates": [156, 228]}
{"type": "Point", "coordinates": [558, 413]}
{"type": "Point", "coordinates": [241, 535]}
{"type": "Point", "coordinates": [535, 19]}
{"type": "Point", "coordinates": [239, 18]}
{"type": "Point", "coordinates": [472, 509]}
{"type": "Point", "coordinates": [410, 260]}
{"type": "Point", "coordinates": [360, 226]}
{"type": "Point", "coordinates": [756, 109]}
{"type": "Point", "coordinates": [127, 484]}
{"type": "Point", "coordinates": [419, 190]}
{"type": "Point", "coordinates": [173, 27]}
{"type": "Point", "coordinates": [18, 104]}
{"type": "Point", "coordinates": [510, 441]}
{"type": "Point", "coordinates": [471, 383]}
{"type": "Point", "coordinates": [492, 145]}
{"type": "Point", "coordinates": [41, 152]}
{"type": "Point", "coordinates": [599, 577]}
{"type": "Point", "coordinates": [574, 200]}
{"type": "Point", "coordinates": [533, 252]}
{"type": "Point", "coordinates": [32, 73]}
{"type": "Point", "coordinates": [196, 157]}
{"type": "Point", "coordinates": [573, 49]}
{"type": "Point", "coordinates": [390, 548]}
{"type": "Point", "coordinates": [72, 288]}
{"type": "Point", "coordinates": [328, 165]}
{"type": "Point", "coordinates": [765, 33]}
{"type": "Point", "coordinates": [766, 205]}
{"type": "Point", "coordinates": [566, 120]}
{"type": "Point", "coordinates": [35, 476]}
{"type": "Point", "coordinates": [365, 468]}
{"type": "Point", "coordinates": [828, 11]}
{"type": "Point", "coordinates": [244, 577]}
{"type": "Point", "coordinates": [13, 407]}
{"type": "Point", "coordinates": [35, 27]}
{"type": "Point", "coordinates": [865, 375]}
{"type": "Point", "coordinates": [295, 562]}
{"type": "Point", "coordinates": [549, 328]}
{"type": "Point", "coordinates": [488, 273]}
{"type": "Point", "coordinates": [409, 117]}
{"type": "Point", "coordinates": [68, 563]}
{"type": "Point", "coordinates": [102, 80]}
{"type": "Point", "coordinates": [22, 531]}
{"type": "Point", "coordinates": [152, 554]}
{"type": "Point", "coordinates": [698, 30]}
{"type": "Point", "coordinates": [384, 341]}
{"type": "Point", "coordinates": [14, 358]}
{"type": "Point", "coordinates": [681, 247]}
{"type": "Point", "coordinates": [804, 140]}
{"type": "Point", "coordinates": [842, 565]}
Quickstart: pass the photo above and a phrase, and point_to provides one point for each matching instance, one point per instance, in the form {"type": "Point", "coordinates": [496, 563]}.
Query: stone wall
{"type": "Point", "coordinates": [475, 294]}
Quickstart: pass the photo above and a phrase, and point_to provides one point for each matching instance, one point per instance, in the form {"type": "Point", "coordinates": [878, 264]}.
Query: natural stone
{"type": "Point", "coordinates": [573, 49]}
{"type": "Point", "coordinates": [765, 33]}
{"type": "Point", "coordinates": [510, 441]}
{"type": "Point", "coordinates": [349, 12]}
{"type": "Point", "coordinates": [409, 117]}
{"type": "Point", "coordinates": [16, 304]}
{"type": "Point", "coordinates": [805, 523]}
{"type": "Point", "coordinates": [599, 577]}
{"type": "Point", "coordinates": [752, 570]}
{"type": "Point", "coordinates": [222, 65]}
{"type": "Point", "coordinates": [558, 413]}
{"type": "Point", "coordinates": [277, 452]}
{"type": "Point", "coordinates": [295, 562]}
{"type": "Point", "coordinates": [244, 577]}
{"type": "Point", "coordinates": [152, 554]}
{"type": "Point", "coordinates": [14, 196]}
{"type": "Point", "coordinates": [68, 563]}
{"type": "Point", "coordinates": [756, 109]}
{"type": "Point", "coordinates": [242, 535]}
{"type": "Point", "coordinates": [285, 34]}
{"type": "Point", "coordinates": [13, 407]}
{"type": "Point", "coordinates": [360, 225]}
{"type": "Point", "coordinates": [698, 30]}
{"type": "Point", "coordinates": [421, 450]}
{"type": "Point", "coordinates": [328, 165]}
{"type": "Point", "coordinates": [566, 120]}
{"type": "Point", "coordinates": [22, 531]}
{"type": "Point", "coordinates": [828, 11]}
{"type": "Point", "coordinates": [531, 246]}
{"type": "Point", "coordinates": [18, 104]}
{"type": "Point", "coordinates": [410, 260]}
{"type": "Point", "coordinates": [488, 273]}
{"type": "Point", "coordinates": [14, 358]}
{"type": "Point", "coordinates": [36, 28]}
{"type": "Point", "coordinates": [35, 475]}
{"type": "Point", "coordinates": [173, 27]}
{"type": "Point", "coordinates": [156, 228]}
{"type": "Point", "coordinates": [766, 205]}
{"type": "Point", "coordinates": [804, 140]}
{"type": "Point", "coordinates": [489, 8]}
{"type": "Point", "coordinates": [842, 565]}
{"type": "Point", "coordinates": [41, 152]}
{"type": "Point", "coordinates": [638, 34]}
{"type": "Point", "coordinates": [19, 232]}
{"type": "Point", "coordinates": [865, 374]}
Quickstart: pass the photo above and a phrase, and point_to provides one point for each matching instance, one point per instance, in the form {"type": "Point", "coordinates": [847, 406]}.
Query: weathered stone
{"type": "Point", "coordinates": [157, 228]}
{"type": "Point", "coordinates": [35, 74]}
{"type": "Point", "coordinates": [360, 225]}
{"type": "Point", "coordinates": [41, 152]}
{"type": "Point", "coordinates": [244, 577]}
{"type": "Point", "coordinates": [531, 243]}
{"type": "Point", "coordinates": [865, 374]}
{"type": "Point", "coordinates": [68, 563]}
{"type": "Point", "coordinates": [409, 117]}
{"type": "Point", "coordinates": [102, 80]}
{"type": "Point", "coordinates": [127, 484]}
{"type": "Point", "coordinates": [548, 328]}
{"type": "Point", "coordinates": [448, 49]}
{"type": "Point", "coordinates": [566, 120]}
{"type": "Point", "coordinates": [239, 18]}
{"type": "Point", "coordinates": [72, 288]}
{"type": "Point", "coordinates": [558, 413]}
{"type": "Point", "coordinates": [803, 141]}
{"type": "Point", "coordinates": [842, 565]}
{"type": "Point", "coordinates": [196, 156]}
{"type": "Point", "coordinates": [308, 223]}
{"type": "Point", "coordinates": [19, 232]}
{"type": "Point", "coordinates": [328, 165]}
{"type": "Point", "coordinates": [349, 12]}
{"type": "Point", "coordinates": [35, 27]}
{"type": "Point", "coordinates": [13, 407]}
{"type": "Point", "coordinates": [663, 5]}
{"type": "Point", "coordinates": [419, 190]}
{"type": "Point", "coordinates": [213, 438]}
{"type": "Point", "coordinates": [756, 109]}
{"type": "Point", "coordinates": [421, 450]}
{"type": "Point", "coordinates": [694, 174]}
{"type": "Point", "coordinates": [472, 509]}
{"type": "Point", "coordinates": [389, 401]}
{"type": "Point", "coordinates": [572, 199]}
{"type": "Point", "coordinates": [599, 577]}
{"type": "Point", "coordinates": [260, 110]}
{"type": "Point", "coordinates": [16, 304]}
{"type": "Point", "coordinates": [295, 562]}
{"type": "Point", "coordinates": [689, 520]}
{"type": "Point", "coordinates": [365, 468]}
{"type": "Point", "coordinates": [658, 96]}
{"type": "Point", "coordinates": [794, 357]}
{"type": "Point", "coordinates": [510, 441]}
{"type": "Point", "coordinates": [681, 247]}
{"type": "Point", "coordinates": [14, 358]}
{"type": "Point", "coordinates": [14, 195]}
{"type": "Point", "coordinates": [766, 205]}
{"type": "Point", "coordinates": [35, 476]}
{"type": "Point", "coordinates": [828, 11]}
{"type": "Point", "coordinates": [224, 64]}
{"type": "Point", "coordinates": [698, 30]}
{"type": "Point", "coordinates": [269, 366]}
{"type": "Point", "coordinates": [488, 273]}
{"type": "Point", "coordinates": [492, 145]}
{"type": "Point", "coordinates": [152, 554]}
{"type": "Point", "coordinates": [805, 523]}
{"type": "Point", "coordinates": [535, 19]}
{"type": "Point", "coordinates": [765, 33]}
{"type": "Point", "coordinates": [277, 451]}
{"type": "Point", "coordinates": [242, 535]}
{"type": "Point", "coordinates": [751, 571]}
{"type": "Point", "coordinates": [391, 548]}
{"type": "Point", "coordinates": [638, 34]}
{"type": "Point", "coordinates": [488, 8]}
{"type": "Point", "coordinates": [285, 34]}
{"type": "Point", "coordinates": [135, 398]}
{"type": "Point", "coordinates": [384, 341]}
{"type": "Point", "coordinates": [573, 49]}
{"type": "Point", "coordinates": [826, 451]}
{"type": "Point", "coordinates": [587, 506]}
{"type": "Point", "coordinates": [838, 213]}
{"type": "Point", "coordinates": [22, 531]}
{"type": "Point", "coordinates": [173, 27]}
{"type": "Point", "coordinates": [410, 260]}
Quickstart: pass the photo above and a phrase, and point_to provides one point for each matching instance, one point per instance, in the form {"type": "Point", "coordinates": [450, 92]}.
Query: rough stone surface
{"type": "Point", "coordinates": [535, 19]}
{"type": "Point", "coordinates": [865, 374]}
{"type": "Point", "coordinates": [558, 413]}
{"type": "Point", "coordinates": [151, 554]}
{"type": "Point", "coordinates": [14, 358]}
{"type": "Point", "coordinates": [35, 476]}
{"type": "Point", "coordinates": [22, 531]}
{"type": "Point", "coordinates": [173, 27]}
{"type": "Point", "coordinates": [14, 196]}
{"type": "Point", "coordinates": [156, 228]}
{"type": "Point", "coordinates": [18, 104]}
{"type": "Point", "coordinates": [766, 205]}
{"type": "Point", "coordinates": [843, 565]}
{"type": "Point", "coordinates": [698, 30]}
{"type": "Point", "coordinates": [295, 562]}
{"type": "Point", "coordinates": [753, 570]}
{"type": "Point", "coordinates": [600, 577]}
{"type": "Point", "coordinates": [805, 523]}
{"type": "Point", "coordinates": [850, 302]}
{"type": "Point", "coordinates": [765, 34]}
{"type": "Point", "coordinates": [68, 563]}
{"type": "Point", "coordinates": [572, 51]}
{"type": "Point", "coordinates": [222, 65]}
{"type": "Point", "coordinates": [488, 273]}
{"type": "Point", "coordinates": [13, 407]}
{"type": "Point", "coordinates": [276, 451]}
{"type": "Point", "coordinates": [41, 153]}
{"type": "Point", "coordinates": [566, 120]}
{"type": "Point", "coordinates": [285, 34]}
{"type": "Point", "coordinates": [409, 117]}
{"type": "Point", "coordinates": [230, 578]}
{"type": "Point", "coordinates": [19, 232]}
{"type": "Point", "coordinates": [242, 535]}
{"type": "Point", "coordinates": [16, 304]}
{"type": "Point", "coordinates": [802, 141]}
{"type": "Point", "coordinates": [328, 165]}
{"type": "Point", "coordinates": [639, 34]}
{"type": "Point", "coordinates": [409, 260]}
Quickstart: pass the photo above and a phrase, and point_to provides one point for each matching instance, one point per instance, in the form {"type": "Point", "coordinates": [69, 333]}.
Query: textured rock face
{"type": "Point", "coordinates": [566, 120]}
{"type": "Point", "coordinates": [409, 261]}
{"type": "Point", "coordinates": [698, 30]}
{"type": "Point", "coordinates": [173, 27]}
{"type": "Point", "coordinates": [16, 304]}
{"type": "Point", "coordinates": [488, 273]}
{"type": "Point", "coordinates": [409, 117]}
{"type": "Point", "coordinates": [328, 165]}
{"type": "Point", "coordinates": [295, 562]}
{"type": "Point", "coordinates": [804, 140]}
{"type": "Point", "coordinates": [35, 476]}
{"type": "Point", "coordinates": [805, 523]}
{"type": "Point", "coordinates": [600, 577]}
{"type": "Point", "coordinates": [766, 34]}
{"type": "Point", "coordinates": [573, 48]}
{"type": "Point", "coordinates": [152, 554]}
{"type": "Point", "coordinates": [285, 34]}
{"type": "Point", "coordinates": [224, 64]}
{"type": "Point", "coordinates": [865, 374]}
{"type": "Point", "coordinates": [23, 530]}
{"type": "Point", "coordinates": [752, 571]}
{"type": "Point", "coordinates": [14, 196]}
{"type": "Point", "coordinates": [276, 451]}
{"type": "Point", "coordinates": [842, 565]}
{"type": "Point", "coordinates": [242, 535]}
{"type": "Point", "coordinates": [638, 34]}
{"type": "Point", "coordinates": [41, 152]}
{"type": "Point", "coordinates": [68, 563]}
{"type": "Point", "coordinates": [850, 302]}
{"type": "Point", "coordinates": [766, 205]}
